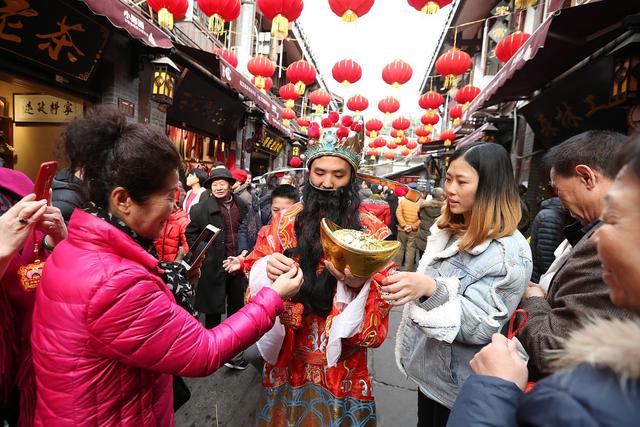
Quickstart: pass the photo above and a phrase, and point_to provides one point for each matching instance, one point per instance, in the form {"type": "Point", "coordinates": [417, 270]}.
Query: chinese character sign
{"type": "Point", "coordinates": [45, 109]}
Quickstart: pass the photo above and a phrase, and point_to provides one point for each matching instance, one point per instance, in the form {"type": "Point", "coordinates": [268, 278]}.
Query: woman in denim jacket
{"type": "Point", "coordinates": [469, 281]}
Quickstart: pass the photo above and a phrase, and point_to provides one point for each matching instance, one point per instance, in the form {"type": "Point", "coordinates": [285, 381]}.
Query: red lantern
{"type": "Point", "coordinates": [302, 74]}
{"type": "Point", "coordinates": [326, 123]}
{"type": "Point", "coordinates": [509, 45]}
{"type": "Point", "coordinates": [371, 144]}
{"type": "Point", "coordinates": [268, 84]}
{"type": "Point", "coordinates": [451, 64]}
{"type": "Point", "coordinates": [448, 136]}
{"type": "Point", "coordinates": [168, 11]}
{"type": "Point", "coordinates": [227, 55]}
{"type": "Point", "coordinates": [295, 162]}
{"type": "Point", "coordinates": [304, 123]}
{"type": "Point", "coordinates": [411, 145]}
{"type": "Point", "coordinates": [280, 12]}
{"type": "Point", "coordinates": [402, 140]}
{"type": "Point", "coordinates": [342, 132]}
{"type": "Point", "coordinates": [333, 116]}
{"type": "Point", "coordinates": [287, 115]}
{"type": "Point", "coordinates": [405, 152]}
{"type": "Point", "coordinates": [429, 7]}
{"type": "Point", "coordinates": [346, 121]}
{"type": "Point", "coordinates": [356, 126]}
{"type": "Point", "coordinates": [350, 10]}
{"type": "Point", "coordinates": [288, 93]}
{"type": "Point", "coordinates": [375, 152]}
{"type": "Point", "coordinates": [380, 142]}
{"type": "Point", "coordinates": [319, 98]}
{"type": "Point", "coordinates": [314, 131]}
{"type": "Point", "coordinates": [401, 123]}
{"type": "Point", "coordinates": [373, 126]}
{"type": "Point", "coordinates": [429, 119]}
{"type": "Point", "coordinates": [261, 67]}
{"type": "Point", "coordinates": [422, 131]}
{"type": "Point", "coordinates": [346, 71]}
{"type": "Point", "coordinates": [466, 94]}
{"type": "Point", "coordinates": [218, 12]}
{"type": "Point", "coordinates": [390, 154]}
{"type": "Point", "coordinates": [389, 105]}
{"type": "Point", "coordinates": [431, 100]}
{"type": "Point", "coordinates": [455, 113]}
{"type": "Point", "coordinates": [357, 103]}
{"type": "Point", "coordinates": [397, 73]}
{"type": "Point", "coordinates": [392, 145]}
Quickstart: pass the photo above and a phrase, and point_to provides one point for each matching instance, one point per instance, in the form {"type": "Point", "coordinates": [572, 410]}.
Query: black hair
{"type": "Point", "coordinates": [376, 189]}
{"type": "Point", "coordinates": [113, 153]}
{"type": "Point", "coordinates": [594, 148]}
{"type": "Point", "coordinates": [628, 156]}
{"type": "Point", "coordinates": [285, 191]}
{"type": "Point", "coordinates": [200, 174]}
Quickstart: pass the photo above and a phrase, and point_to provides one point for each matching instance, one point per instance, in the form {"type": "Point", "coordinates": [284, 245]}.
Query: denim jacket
{"type": "Point", "coordinates": [477, 291]}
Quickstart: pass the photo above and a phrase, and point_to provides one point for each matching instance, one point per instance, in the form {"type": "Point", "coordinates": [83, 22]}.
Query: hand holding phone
{"type": "Point", "coordinates": [42, 187]}
{"type": "Point", "coordinates": [199, 248]}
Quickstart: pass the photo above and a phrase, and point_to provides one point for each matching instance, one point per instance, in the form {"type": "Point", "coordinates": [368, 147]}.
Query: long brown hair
{"type": "Point", "coordinates": [496, 210]}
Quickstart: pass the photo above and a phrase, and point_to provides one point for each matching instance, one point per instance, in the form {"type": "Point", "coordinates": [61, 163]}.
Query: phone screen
{"type": "Point", "coordinates": [200, 246]}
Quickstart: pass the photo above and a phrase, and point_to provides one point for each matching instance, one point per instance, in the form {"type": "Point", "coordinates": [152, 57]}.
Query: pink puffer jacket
{"type": "Point", "coordinates": [107, 333]}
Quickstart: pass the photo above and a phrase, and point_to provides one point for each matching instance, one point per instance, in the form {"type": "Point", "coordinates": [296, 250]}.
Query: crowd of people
{"type": "Point", "coordinates": [100, 320]}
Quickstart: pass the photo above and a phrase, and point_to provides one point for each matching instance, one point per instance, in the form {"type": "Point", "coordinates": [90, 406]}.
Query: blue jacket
{"type": "Point", "coordinates": [599, 386]}
{"type": "Point", "coordinates": [477, 291]}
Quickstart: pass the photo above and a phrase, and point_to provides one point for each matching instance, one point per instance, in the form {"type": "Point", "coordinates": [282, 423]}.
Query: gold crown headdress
{"type": "Point", "coordinates": [331, 143]}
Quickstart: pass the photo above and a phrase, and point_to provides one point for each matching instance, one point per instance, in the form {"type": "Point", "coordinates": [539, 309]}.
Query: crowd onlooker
{"type": "Point", "coordinates": [429, 212]}
{"type": "Point", "coordinates": [376, 205]}
{"type": "Point", "coordinates": [547, 232]}
{"type": "Point", "coordinates": [171, 244]}
{"type": "Point", "coordinates": [197, 191]}
{"type": "Point", "coordinates": [408, 224]}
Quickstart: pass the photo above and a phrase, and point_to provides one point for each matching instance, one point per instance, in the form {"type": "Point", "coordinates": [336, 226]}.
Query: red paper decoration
{"type": "Point", "coordinates": [451, 64]}
{"type": "Point", "coordinates": [397, 73]}
{"type": "Point", "coordinates": [402, 140]}
{"type": "Point", "coordinates": [405, 152]}
{"type": "Point", "coordinates": [342, 132]}
{"type": "Point", "coordinates": [508, 46]}
{"type": "Point", "coordinates": [431, 100]}
{"type": "Point", "coordinates": [319, 98]}
{"type": "Point", "coordinates": [288, 93]}
{"type": "Point", "coordinates": [227, 55]}
{"type": "Point", "coordinates": [268, 84]}
{"type": "Point", "coordinates": [373, 126]}
{"type": "Point", "coordinates": [429, 7]}
{"type": "Point", "coordinates": [302, 74]}
{"type": "Point", "coordinates": [350, 10]}
{"type": "Point", "coordinates": [333, 116]}
{"type": "Point", "coordinates": [168, 11]}
{"type": "Point", "coordinates": [357, 103]}
{"type": "Point", "coordinates": [429, 119]}
{"type": "Point", "coordinates": [304, 123]}
{"type": "Point", "coordinates": [466, 94]}
{"type": "Point", "coordinates": [392, 145]}
{"type": "Point", "coordinates": [401, 123]}
{"type": "Point", "coordinates": [280, 12]}
{"type": "Point", "coordinates": [346, 71]}
{"type": "Point", "coordinates": [411, 145]}
{"type": "Point", "coordinates": [389, 105]}
{"type": "Point", "coordinates": [218, 12]}
{"type": "Point", "coordinates": [346, 121]}
{"type": "Point", "coordinates": [390, 154]}
{"type": "Point", "coordinates": [287, 115]}
{"type": "Point", "coordinates": [455, 113]}
{"type": "Point", "coordinates": [326, 123]}
{"type": "Point", "coordinates": [448, 136]}
{"type": "Point", "coordinates": [261, 67]}
{"type": "Point", "coordinates": [380, 142]}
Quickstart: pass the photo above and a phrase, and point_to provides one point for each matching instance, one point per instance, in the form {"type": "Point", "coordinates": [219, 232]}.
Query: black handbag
{"type": "Point", "coordinates": [181, 393]}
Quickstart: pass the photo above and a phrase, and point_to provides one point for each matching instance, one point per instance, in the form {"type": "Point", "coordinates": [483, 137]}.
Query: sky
{"type": "Point", "coordinates": [391, 30]}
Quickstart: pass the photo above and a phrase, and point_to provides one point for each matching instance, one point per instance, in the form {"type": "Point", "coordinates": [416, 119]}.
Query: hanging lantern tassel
{"type": "Point", "coordinates": [373, 134]}
{"type": "Point", "coordinates": [523, 4]}
{"type": "Point", "coordinates": [447, 143]}
{"type": "Point", "coordinates": [286, 122]}
{"type": "Point", "coordinates": [165, 19]}
{"type": "Point", "coordinates": [429, 128]}
{"type": "Point", "coordinates": [260, 82]}
{"type": "Point", "coordinates": [431, 8]}
{"type": "Point", "coordinates": [216, 25]}
{"type": "Point", "coordinates": [449, 81]}
{"type": "Point", "coordinates": [300, 88]}
{"type": "Point", "coordinates": [456, 121]}
{"type": "Point", "coordinates": [280, 27]}
{"type": "Point", "coordinates": [349, 16]}
{"type": "Point", "coordinates": [289, 103]}
{"type": "Point", "coordinates": [319, 109]}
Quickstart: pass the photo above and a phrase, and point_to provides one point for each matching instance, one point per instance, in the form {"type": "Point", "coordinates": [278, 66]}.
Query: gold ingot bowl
{"type": "Point", "coordinates": [362, 253]}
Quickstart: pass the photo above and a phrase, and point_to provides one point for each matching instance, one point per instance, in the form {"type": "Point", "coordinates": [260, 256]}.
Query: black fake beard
{"type": "Point", "coordinates": [341, 207]}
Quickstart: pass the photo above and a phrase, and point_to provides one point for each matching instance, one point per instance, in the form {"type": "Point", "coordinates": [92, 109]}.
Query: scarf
{"type": "Point", "coordinates": [174, 276]}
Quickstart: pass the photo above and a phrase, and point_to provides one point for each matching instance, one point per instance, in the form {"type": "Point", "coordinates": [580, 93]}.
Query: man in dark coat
{"type": "Point", "coordinates": [581, 173]}
{"type": "Point", "coordinates": [225, 211]}
{"type": "Point", "coordinates": [66, 193]}
{"type": "Point", "coordinates": [546, 234]}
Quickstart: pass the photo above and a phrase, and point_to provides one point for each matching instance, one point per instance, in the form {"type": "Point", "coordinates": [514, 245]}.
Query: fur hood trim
{"type": "Point", "coordinates": [613, 344]}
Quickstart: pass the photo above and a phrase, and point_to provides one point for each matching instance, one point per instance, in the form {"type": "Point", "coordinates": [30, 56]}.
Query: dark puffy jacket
{"type": "Point", "coordinates": [546, 235]}
{"type": "Point", "coordinates": [428, 213]}
{"type": "Point", "coordinates": [259, 215]}
{"type": "Point", "coordinates": [173, 237]}
{"type": "Point", "coordinates": [600, 386]}
{"type": "Point", "coordinates": [67, 193]}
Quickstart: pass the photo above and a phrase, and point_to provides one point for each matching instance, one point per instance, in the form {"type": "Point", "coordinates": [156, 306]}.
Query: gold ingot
{"type": "Point", "coordinates": [362, 262]}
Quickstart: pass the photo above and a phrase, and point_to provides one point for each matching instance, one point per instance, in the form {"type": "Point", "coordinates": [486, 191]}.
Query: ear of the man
{"type": "Point", "coordinates": [588, 176]}
{"type": "Point", "coordinates": [120, 201]}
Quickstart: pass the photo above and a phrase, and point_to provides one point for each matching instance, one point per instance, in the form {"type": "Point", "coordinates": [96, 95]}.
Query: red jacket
{"type": "Point", "coordinates": [108, 336]}
{"type": "Point", "coordinates": [377, 207]}
{"type": "Point", "coordinates": [173, 237]}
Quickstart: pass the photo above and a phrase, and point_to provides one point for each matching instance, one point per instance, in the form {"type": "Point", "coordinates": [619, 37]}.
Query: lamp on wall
{"type": "Point", "coordinates": [165, 73]}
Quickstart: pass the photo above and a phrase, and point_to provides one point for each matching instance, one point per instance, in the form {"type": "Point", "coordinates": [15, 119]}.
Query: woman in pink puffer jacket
{"type": "Point", "coordinates": [107, 333]}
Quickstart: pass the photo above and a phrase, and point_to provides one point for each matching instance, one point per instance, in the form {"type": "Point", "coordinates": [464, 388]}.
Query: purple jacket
{"type": "Point", "coordinates": [108, 334]}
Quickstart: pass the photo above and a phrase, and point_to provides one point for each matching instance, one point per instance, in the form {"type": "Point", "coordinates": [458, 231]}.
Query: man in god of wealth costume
{"type": "Point", "coordinates": [315, 356]}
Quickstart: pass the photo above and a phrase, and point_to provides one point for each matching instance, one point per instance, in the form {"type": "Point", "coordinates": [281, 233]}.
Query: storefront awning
{"type": "Point", "coordinates": [474, 136]}
{"type": "Point", "coordinates": [132, 21]}
{"type": "Point", "coordinates": [566, 37]}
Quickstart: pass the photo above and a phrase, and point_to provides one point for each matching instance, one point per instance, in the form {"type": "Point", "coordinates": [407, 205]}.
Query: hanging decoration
{"type": "Point", "coordinates": [380, 142]}
{"type": "Point", "coordinates": [280, 12]}
{"type": "Point", "coordinates": [509, 45]}
{"type": "Point", "coordinates": [373, 127]}
{"type": "Point", "coordinates": [429, 7]}
{"type": "Point", "coordinates": [357, 104]}
{"type": "Point", "coordinates": [319, 98]}
{"type": "Point", "coordinates": [453, 63]}
{"type": "Point", "coordinates": [168, 11]}
{"type": "Point", "coordinates": [350, 10]}
{"type": "Point", "coordinates": [392, 145]}
{"type": "Point", "coordinates": [431, 100]}
{"type": "Point", "coordinates": [346, 71]}
{"type": "Point", "coordinates": [304, 123]}
{"type": "Point", "coordinates": [455, 113]}
{"type": "Point", "coordinates": [268, 84]}
{"type": "Point", "coordinates": [288, 93]}
{"type": "Point", "coordinates": [405, 152]}
{"type": "Point", "coordinates": [390, 154]}
{"type": "Point", "coordinates": [523, 4]}
{"type": "Point", "coordinates": [448, 136]}
{"type": "Point", "coordinates": [466, 94]}
{"type": "Point", "coordinates": [401, 124]}
{"type": "Point", "coordinates": [429, 119]}
{"type": "Point", "coordinates": [402, 140]}
{"type": "Point", "coordinates": [301, 74]}
{"type": "Point", "coordinates": [228, 55]}
{"type": "Point", "coordinates": [262, 68]}
{"type": "Point", "coordinates": [287, 115]}
{"type": "Point", "coordinates": [397, 73]}
{"type": "Point", "coordinates": [422, 132]}
{"type": "Point", "coordinates": [388, 105]}
{"type": "Point", "coordinates": [218, 12]}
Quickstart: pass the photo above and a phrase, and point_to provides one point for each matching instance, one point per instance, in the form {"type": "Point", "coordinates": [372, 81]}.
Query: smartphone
{"type": "Point", "coordinates": [200, 246]}
{"type": "Point", "coordinates": [44, 179]}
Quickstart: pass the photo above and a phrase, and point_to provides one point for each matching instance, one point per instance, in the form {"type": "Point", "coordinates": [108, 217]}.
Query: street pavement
{"type": "Point", "coordinates": [228, 398]}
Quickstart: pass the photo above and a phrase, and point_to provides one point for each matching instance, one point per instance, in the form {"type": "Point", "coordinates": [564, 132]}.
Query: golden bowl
{"type": "Point", "coordinates": [362, 262]}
